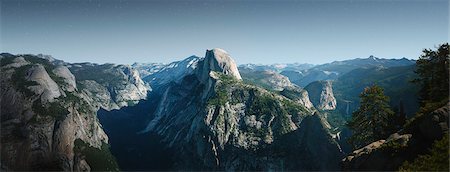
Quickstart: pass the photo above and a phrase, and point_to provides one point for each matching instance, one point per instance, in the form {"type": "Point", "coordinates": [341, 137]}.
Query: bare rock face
{"type": "Point", "coordinates": [298, 95]}
{"type": "Point", "coordinates": [278, 81]}
{"type": "Point", "coordinates": [304, 100]}
{"type": "Point", "coordinates": [42, 115]}
{"type": "Point", "coordinates": [218, 60]}
{"type": "Point", "coordinates": [110, 86]}
{"type": "Point", "coordinates": [327, 100]}
{"type": "Point", "coordinates": [64, 72]}
{"type": "Point", "coordinates": [159, 75]}
{"type": "Point", "coordinates": [47, 88]}
{"type": "Point", "coordinates": [134, 90]}
{"type": "Point", "coordinates": [97, 94]}
{"type": "Point", "coordinates": [268, 79]}
{"type": "Point", "coordinates": [321, 95]}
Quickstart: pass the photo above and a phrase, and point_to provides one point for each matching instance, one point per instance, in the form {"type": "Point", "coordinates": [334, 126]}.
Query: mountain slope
{"type": "Point", "coordinates": [49, 116]}
{"type": "Point", "coordinates": [110, 86]}
{"type": "Point", "coordinates": [396, 82]}
{"type": "Point", "coordinates": [146, 69]}
{"type": "Point", "coordinates": [267, 79]}
{"type": "Point", "coordinates": [277, 67]}
{"type": "Point", "coordinates": [331, 71]}
{"type": "Point", "coordinates": [44, 117]}
{"type": "Point", "coordinates": [215, 121]}
{"type": "Point", "coordinates": [172, 72]}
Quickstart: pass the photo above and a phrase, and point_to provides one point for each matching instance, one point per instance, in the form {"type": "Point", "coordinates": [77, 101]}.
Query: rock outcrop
{"type": "Point", "coordinates": [266, 78]}
{"type": "Point", "coordinates": [304, 99]}
{"type": "Point", "coordinates": [64, 72]}
{"type": "Point", "coordinates": [42, 116]}
{"type": "Point", "coordinates": [146, 69]}
{"type": "Point", "coordinates": [217, 60]}
{"type": "Point", "coordinates": [375, 156]}
{"type": "Point", "coordinates": [321, 95]}
{"type": "Point", "coordinates": [110, 86]}
{"type": "Point", "coordinates": [46, 87]}
{"type": "Point", "coordinates": [298, 95]}
{"type": "Point", "coordinates": [98, 94]}
{"type": "Point", "coordinates": [407, 144]}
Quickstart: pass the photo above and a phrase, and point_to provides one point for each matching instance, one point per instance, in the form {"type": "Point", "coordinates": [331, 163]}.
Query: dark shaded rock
{"type": "Point", "coordinates": [310, 147]}
{"type": "Point", "coordinates": [406, 145]}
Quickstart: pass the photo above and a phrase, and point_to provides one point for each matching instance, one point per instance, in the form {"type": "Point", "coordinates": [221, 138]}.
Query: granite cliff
{"type": "Point", "coordinates": [48, 115]}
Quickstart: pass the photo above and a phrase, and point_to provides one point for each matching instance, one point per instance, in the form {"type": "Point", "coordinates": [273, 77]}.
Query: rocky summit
{"type": "Point", "coordinates": [217, 60]}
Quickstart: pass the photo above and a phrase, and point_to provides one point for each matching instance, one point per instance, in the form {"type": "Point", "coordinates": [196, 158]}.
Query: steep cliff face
{"type": "Point", "coordinates": [42, 114]}
{"type": "Point", "coordinates": [321, 95]}
{"type": "Point", "coordinates": [46, 87]}
{"type": "Point", "coordinates": [110, 86]}
{"type": "Point", "coordinates": [220, 61]}
{"type": "Point", "coordinates": [48, 114]}
{"type": "Point", "coordinates": [298, 95]}
{"type": "Point", "coordinates": [69, 78]}
{"type": "Point", "coordinates": [216, 121]}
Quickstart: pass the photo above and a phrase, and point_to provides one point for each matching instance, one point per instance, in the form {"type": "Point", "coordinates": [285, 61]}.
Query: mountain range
{"type": "Point", "coordinates": [200, 113]}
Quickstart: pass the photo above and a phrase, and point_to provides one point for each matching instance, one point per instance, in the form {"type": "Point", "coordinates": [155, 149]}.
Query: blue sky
{"type": "Point", "coordinates": [264, 32]}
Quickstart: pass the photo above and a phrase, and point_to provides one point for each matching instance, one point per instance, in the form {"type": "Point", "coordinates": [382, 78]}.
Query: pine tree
{"type": "Point", "coordinates": [433, 74]}
{"type": "Point", "coordinates": [401, 117]}
{"type": "Point", "coordinates": [373, 120]}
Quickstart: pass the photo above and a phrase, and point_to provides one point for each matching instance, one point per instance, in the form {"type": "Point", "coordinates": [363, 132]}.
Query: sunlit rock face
{"type": "Point", "coordinates": [69, 78]}
{"type": "Point", "coordinates": [218, 60]}
{"type": "Point", "coordinates": [110, 86]}
{"type": "Point", "coordinates": [321, 95]}
{"type": "Point", "coordinates": [46, 87]}
{"type": "Point", "coordinates": [158, 75]}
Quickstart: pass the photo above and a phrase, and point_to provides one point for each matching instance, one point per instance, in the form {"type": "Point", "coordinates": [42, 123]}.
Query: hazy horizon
{"type": "Point", "coordinates": [180, 59]}
{"type": "Point", "coordinates": [268, 32]}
